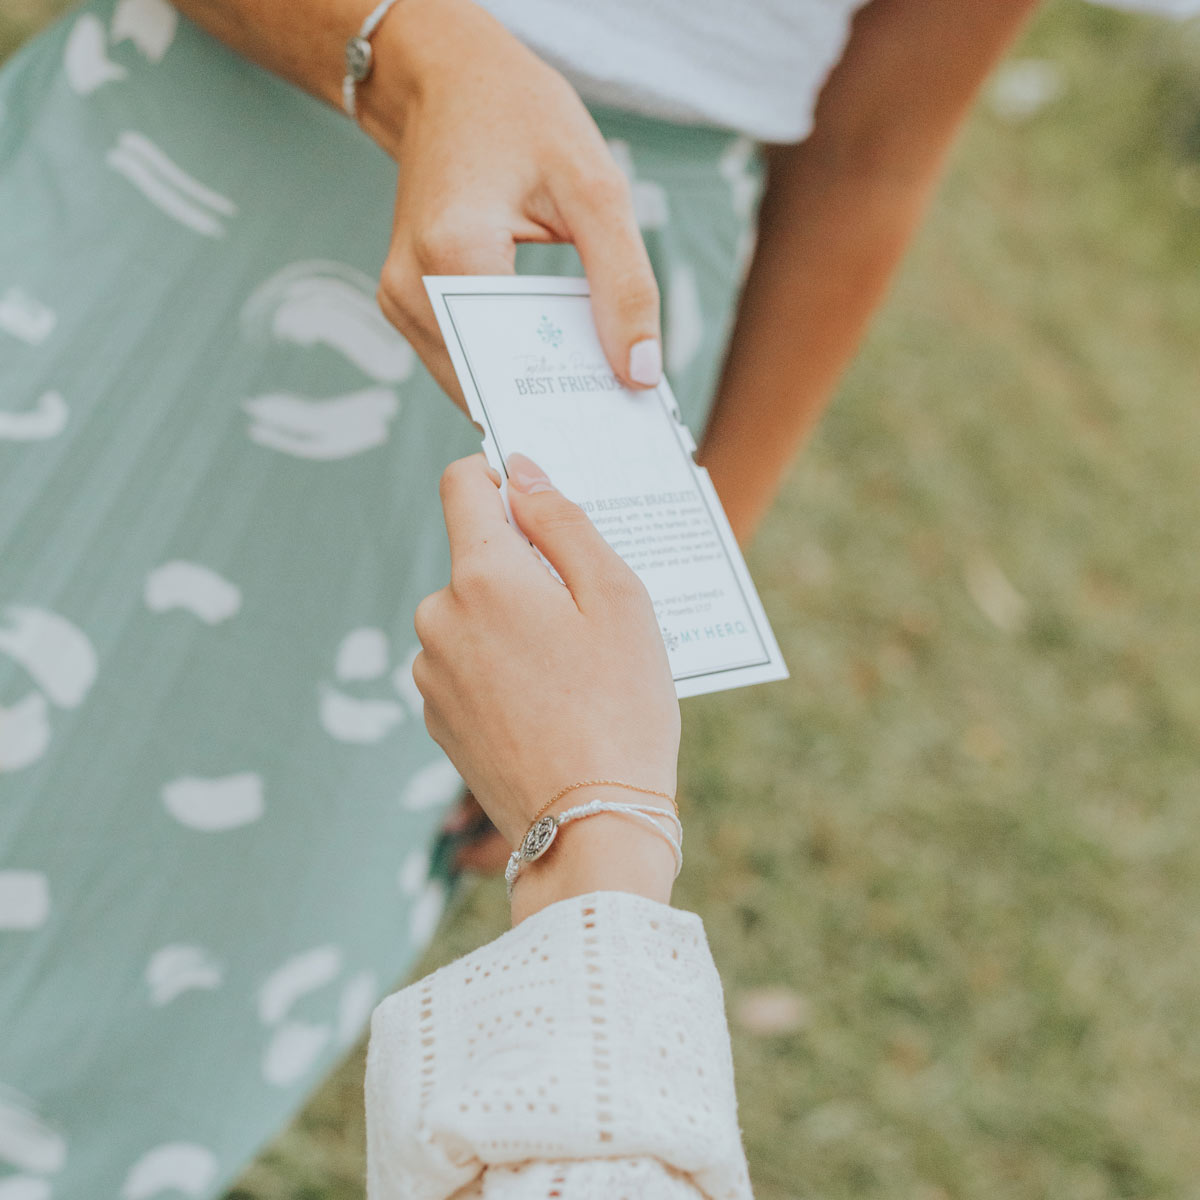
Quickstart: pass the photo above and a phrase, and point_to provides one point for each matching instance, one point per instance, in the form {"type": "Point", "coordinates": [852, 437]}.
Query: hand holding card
{"type": "Point", "coordinates": [535, 377]}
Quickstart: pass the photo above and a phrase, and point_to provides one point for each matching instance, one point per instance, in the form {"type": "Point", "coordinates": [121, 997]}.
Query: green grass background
{"type": "Point", "coordinates": [964, 833]}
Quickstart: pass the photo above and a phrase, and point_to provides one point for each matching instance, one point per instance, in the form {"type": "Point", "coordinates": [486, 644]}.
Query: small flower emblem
{"type": "Point", "coordinates": [670, 638]}
{"type": "Point", "coordinates": [550, 333]}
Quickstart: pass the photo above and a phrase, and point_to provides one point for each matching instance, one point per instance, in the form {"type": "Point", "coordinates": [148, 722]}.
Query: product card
{"type": "Point", "coordinates": [535, 377]}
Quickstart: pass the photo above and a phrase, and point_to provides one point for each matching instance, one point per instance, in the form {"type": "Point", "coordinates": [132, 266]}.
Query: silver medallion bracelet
{"type": "Point", "coordinates": [360, 57]}
{"type": "Point", "coordinates": [544, 830]}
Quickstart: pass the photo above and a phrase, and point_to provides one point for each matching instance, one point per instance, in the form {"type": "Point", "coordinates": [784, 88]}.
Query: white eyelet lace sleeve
{"type": "Point", "coordinates": [582, 1054]}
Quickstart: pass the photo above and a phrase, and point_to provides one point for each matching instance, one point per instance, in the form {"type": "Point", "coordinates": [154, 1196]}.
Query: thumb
{"type": "Point", "coordinates": [563, 532]}
{"type": "Point", "coordinates": [625, 296]}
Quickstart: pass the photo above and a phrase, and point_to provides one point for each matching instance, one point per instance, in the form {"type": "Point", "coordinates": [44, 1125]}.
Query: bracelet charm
{"type": "Point", "coordinates": [541, 834]}
{"type": "Point", "coordinates": [537, 840]}
{"type": "Point", "coordinates": [533, 845]}
{"type": "Point", "coordinates": [358, 58]}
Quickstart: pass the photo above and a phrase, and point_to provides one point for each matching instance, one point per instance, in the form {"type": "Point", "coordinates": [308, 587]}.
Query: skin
{"type": "Point", "coordinates": [496, 148]}
{"type": "Point", "coordinates": [838, 212]}
{"type": "Point", "coordinates": [531, 684]}
{"type": "Point", "coordinates": [514, 156]}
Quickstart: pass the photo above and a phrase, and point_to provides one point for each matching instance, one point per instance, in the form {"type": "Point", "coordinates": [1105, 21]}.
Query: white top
{"type": "Point", "coordinates": [583, 1054]}
{"type": "Point", "coordinates": [755, 66]}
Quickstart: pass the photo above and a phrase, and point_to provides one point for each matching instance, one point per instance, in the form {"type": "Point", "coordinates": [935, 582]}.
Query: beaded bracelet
{"type": "Point", "coordinates": [544, 830]}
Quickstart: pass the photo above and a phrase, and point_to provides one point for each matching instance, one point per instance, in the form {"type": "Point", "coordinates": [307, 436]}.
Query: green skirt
{"type": "Point", "coordinates": [218, 511]}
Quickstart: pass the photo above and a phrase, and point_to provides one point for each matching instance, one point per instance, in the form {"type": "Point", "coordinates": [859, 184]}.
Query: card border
{"type": "Point", "coordinates": [760, 670]}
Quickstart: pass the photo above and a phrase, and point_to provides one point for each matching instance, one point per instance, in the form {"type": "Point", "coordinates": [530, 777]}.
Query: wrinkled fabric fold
{"type": "Point", "coordinates": [594, 1030]}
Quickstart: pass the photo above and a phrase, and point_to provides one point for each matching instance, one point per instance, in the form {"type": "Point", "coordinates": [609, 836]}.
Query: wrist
{"type": "Point", "coordinates": [605, 852]}
{"type": "Point", "coordinates": [415, 46]}
{"type": "Point", "coordinates": [393, 87]}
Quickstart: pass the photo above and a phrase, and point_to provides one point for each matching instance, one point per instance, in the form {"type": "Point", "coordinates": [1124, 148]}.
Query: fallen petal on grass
{"type": "Point", "coordinates": [995, 596]}
{"type": "Point", "coordinates": [771, 1011]}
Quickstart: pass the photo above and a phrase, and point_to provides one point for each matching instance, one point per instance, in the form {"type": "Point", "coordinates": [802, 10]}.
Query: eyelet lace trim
{"type": "Point", "coordinates": [584, 1052]}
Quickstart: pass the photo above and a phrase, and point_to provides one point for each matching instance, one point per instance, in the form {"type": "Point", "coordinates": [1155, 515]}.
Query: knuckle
{"type": "Point", "coordinates": [393, 283]}
{"type": "Point", "coordinates": [435, 726]}
{"type": "Point", "coordinates": [421, 623]}
{"type": "Point", "coordinates": [444, 243]}
{"type": "Point", "coordinates": [637, 296]}
{"type": "Point", "coordinates": [469, 579]}
{"type": "Point", "coordinates": [397, 296]}
{"type": "Point", "coordinates": [421, 674]}
{"type": "Point", "coordinates": [603, 187]}
{"type": "Point", "coordinates": [453, 477]}
{"type": "Point", "coordinates": [621, 587]}
{"type": "Point", "coordinates": [489, 585]}
{"type": "Point", "coordinates": [562, 515]}
{"type": "Point", "coordinates": [474, 579]}
{"type": "Point", "coordinates": [426, 621]}
{"type": "Point", "coordinates": [565, 526]}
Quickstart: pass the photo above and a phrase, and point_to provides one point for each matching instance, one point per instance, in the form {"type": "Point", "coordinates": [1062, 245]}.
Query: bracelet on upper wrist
{"type": "Point", "coordinates": [544, 829]}
{"type": "Point", "coordinates": [360, 56]}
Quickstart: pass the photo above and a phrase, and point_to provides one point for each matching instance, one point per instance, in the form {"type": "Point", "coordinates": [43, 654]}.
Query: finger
{"type": "Point", "coordinates": [426, 622]}
{"type": "Point", "coordinates": [562, 531]}
{"type": "Point", "coordinates": [625, 301]}
{"type": "Point", "coordinates": [473, 509]}
{"type": "Point", "coordinates": [429, 346]}
{"type": "Point", "coordinates": [463, 240]}
{"type": "Point", "coordinates": [460, 241]}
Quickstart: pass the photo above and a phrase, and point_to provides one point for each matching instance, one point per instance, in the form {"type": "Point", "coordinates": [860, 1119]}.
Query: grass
{"type": "Point", "coordinates": [963, 836]}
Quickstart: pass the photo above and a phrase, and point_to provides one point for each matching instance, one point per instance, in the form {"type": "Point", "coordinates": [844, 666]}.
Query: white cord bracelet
{"type": "Point", "coordinates": [360, 57]}
{"type": "Point", "coordinates": [544, 830]}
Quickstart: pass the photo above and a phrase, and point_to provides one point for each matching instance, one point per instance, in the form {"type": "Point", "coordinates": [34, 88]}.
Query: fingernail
{"type": "Point", "coordinates": [526, 476]}
{"type": "Point", "coordinates": [645, 362]}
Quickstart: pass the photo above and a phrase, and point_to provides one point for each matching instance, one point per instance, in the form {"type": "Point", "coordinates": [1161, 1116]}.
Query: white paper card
{"type": "Point", "coordinates": [535, 378]}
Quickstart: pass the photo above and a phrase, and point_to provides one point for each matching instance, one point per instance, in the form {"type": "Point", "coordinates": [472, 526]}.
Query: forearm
{"type": "Point", "coordinates": [304, 41]}
{"type": "Point", "coordinates": [828, 245]}
{"type": "Point", "coordinates": [837, 214]}
{"type": "Point", "coordinates": [301, 40]}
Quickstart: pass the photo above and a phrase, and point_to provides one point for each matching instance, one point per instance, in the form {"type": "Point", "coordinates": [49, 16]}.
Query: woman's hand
{"type": "Point", "coordinates": [495, 148]}
{"type": "Point", "coordinates": [531, 684]}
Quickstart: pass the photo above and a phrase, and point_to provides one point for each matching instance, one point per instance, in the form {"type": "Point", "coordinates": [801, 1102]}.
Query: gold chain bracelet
{"type": "Point", "coordinates": [583, 783]}
{"type": "Point", "coordinates": [543, 830]}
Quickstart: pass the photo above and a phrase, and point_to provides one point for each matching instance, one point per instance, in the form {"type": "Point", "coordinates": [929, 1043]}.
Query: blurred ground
{"type": "Point", "coordinates": [951, 870]}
